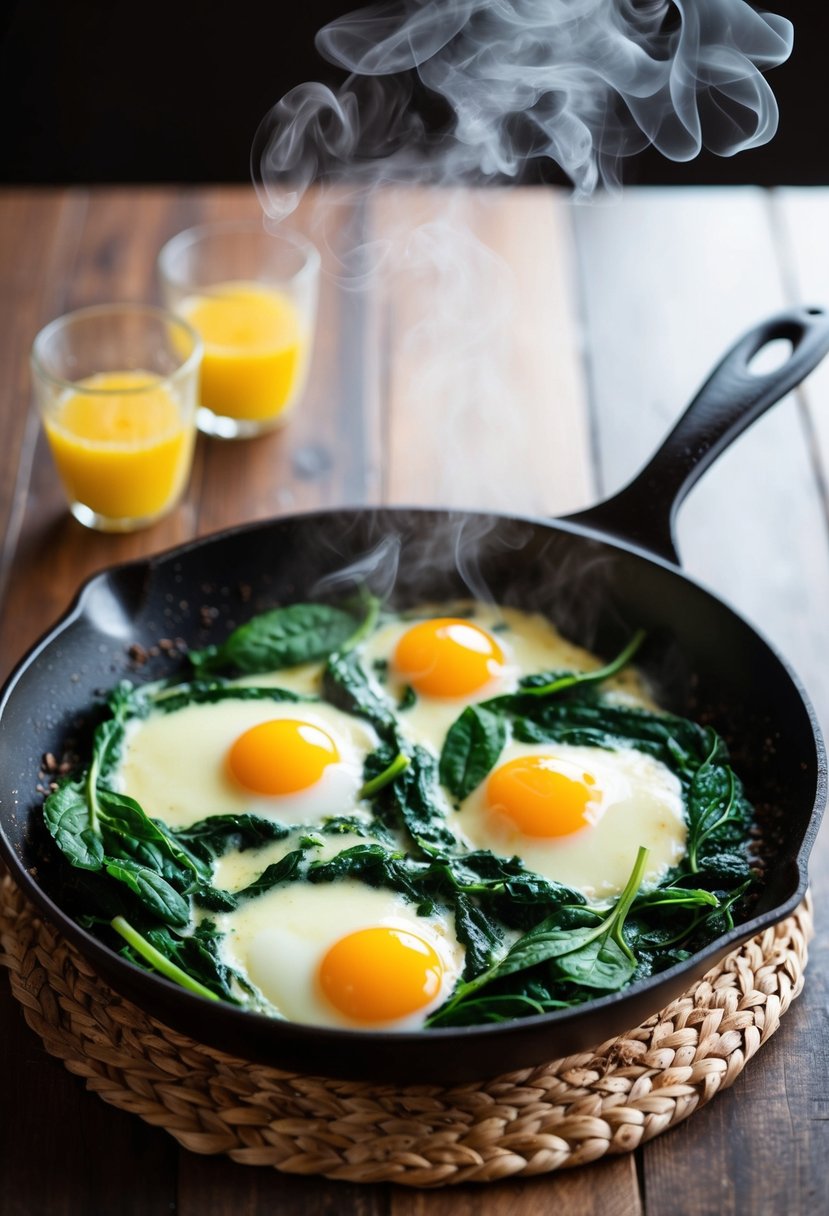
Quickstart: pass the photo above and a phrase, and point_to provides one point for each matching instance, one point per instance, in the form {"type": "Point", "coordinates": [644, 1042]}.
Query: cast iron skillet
{"type": "Point", "coordinates": [598, 574]}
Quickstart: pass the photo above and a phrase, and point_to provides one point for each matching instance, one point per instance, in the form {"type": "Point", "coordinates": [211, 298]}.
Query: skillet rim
{"type": "Point", "coordinates": [114, 963]}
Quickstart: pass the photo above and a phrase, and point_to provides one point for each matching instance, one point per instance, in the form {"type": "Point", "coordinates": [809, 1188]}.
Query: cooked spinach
{"type": "Point", "coordinates": [219, 834]}
{"type": "Point", "coordinates": [347, 686]}
{"type": "Point", "coordinates": [472, 747]}
{"type": "Point", "coordinates": [283, 637]}
{"type": "Point", "coordinates": [531, 944]}
{"type": "Point", "coordinates": [594, 956]}
{"type": "Point", "coordinates": [207, 692]}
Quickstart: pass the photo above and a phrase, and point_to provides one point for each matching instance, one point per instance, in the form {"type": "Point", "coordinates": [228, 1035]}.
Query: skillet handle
{"type": "Point", "coordinates": [644, 512]}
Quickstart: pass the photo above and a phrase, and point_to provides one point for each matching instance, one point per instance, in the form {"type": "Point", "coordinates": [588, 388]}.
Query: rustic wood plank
{"type": "Point", "coordinates": [607, 1188]}
{"type": "Point", "coordinates": [216, 1186]}
{"type": "Point", "coordinates": [484, 398]}
{"type": "Point", "coordinates": [38, 239]}
{"type": "Point", "coordinates": [669, 280]}
{"type": "Point", "coordinates": [801, 219]}
{"type": "Point", "coordinates": [62, 1151]}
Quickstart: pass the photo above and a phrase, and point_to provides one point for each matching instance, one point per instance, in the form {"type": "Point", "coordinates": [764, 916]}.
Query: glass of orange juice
{"type": "Point", "coordinates": [252, 296]}
{"type": "Point", "coordinates": [116, 386]}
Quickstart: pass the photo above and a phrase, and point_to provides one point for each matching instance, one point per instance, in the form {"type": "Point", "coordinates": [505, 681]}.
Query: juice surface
{"type": "Point", "coordinates": [122, 450]}
{"type": "Point", "coordinates": [254, 349]}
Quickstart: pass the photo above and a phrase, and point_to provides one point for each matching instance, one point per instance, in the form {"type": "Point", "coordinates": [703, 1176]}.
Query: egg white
{"type": "Point", "coordinates": [279, 940]}
{"type": "Point", "coordinates": [639, 802]}
{"type": "Point", "coordinates": [174, 764]}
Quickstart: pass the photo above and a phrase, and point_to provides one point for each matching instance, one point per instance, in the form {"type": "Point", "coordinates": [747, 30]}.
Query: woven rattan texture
{"type": "Point", "coordinates": [564, 1113]}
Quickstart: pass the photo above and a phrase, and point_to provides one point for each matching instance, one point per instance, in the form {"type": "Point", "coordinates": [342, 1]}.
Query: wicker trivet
{"type": "Point", "coordinates": [563, 1113]}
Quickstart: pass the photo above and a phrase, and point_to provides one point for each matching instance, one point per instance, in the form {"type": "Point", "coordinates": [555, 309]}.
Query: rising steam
{"type": "Point", "coordinates": [582, 83]}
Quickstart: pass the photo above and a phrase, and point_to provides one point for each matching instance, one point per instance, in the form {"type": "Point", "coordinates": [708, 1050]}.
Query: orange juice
{"type": "Point", "coordinates": [255, 350]}
{"type": "Point", "coordinates": [122, 449]}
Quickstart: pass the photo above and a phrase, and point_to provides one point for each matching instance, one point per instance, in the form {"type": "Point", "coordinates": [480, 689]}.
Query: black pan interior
{"type": "Point", "coordinates": [704, 660]}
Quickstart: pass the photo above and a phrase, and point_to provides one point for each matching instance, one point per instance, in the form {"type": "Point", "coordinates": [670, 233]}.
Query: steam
{"type": "Point", "coordinates": [582, 83]}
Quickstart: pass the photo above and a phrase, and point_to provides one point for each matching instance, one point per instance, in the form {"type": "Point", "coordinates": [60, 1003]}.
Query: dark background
{"type": "Point", "coordinates": [94, 91]}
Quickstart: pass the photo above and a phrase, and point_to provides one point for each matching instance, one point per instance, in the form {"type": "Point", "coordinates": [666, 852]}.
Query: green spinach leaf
{"type": "Point", "coordinates": [66, 812]}
{"type": "Point", "coordinates": [283, 637]}
{"type": "Point", "coordinates": [211, 838]}
{"type": "Point", "coordinates": [471, 749]}
{"type": "Point", "coordinates": [159, 899]}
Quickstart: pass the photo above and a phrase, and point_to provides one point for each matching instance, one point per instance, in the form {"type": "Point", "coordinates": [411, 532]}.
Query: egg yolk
{"type": "Point", "coordinates": [448, 657]}
{"type": "Point", "coordinates": [541, 796]}
{"type": "Point", "coordinates": [380, 974]}
{"type": "Point", "coordinates": [282, 756]}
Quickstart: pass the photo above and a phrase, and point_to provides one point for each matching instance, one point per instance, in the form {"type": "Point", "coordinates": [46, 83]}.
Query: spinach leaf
{"type": "Point", "coordinates": [674, 898]}
{"type": "Point", "coordinates": [602, 962]}
{"type": "Point", "coordinates": [373, 864]}
{"type": "Point", "coordinates": [346, 685]}
{"type": "Point", "coordinates": [66, 812]}
{"type": "Point", "coordinates": [471, 749]}
{"type": "Point", "coordinates": [479, 935]}
{"type": "Point", "coordinates": [580, 679]}
{"type": "Point", "coordinates": [154, 892]}
{"type": "Point", "coordinates": [678, 743]}
{"type": "Point", "coordinates": [412, 797]}
{"type": "Point", "coordinates": [722, 871]}
{"type": "Point", "coordinates": [502, 1007]}
{"type": "Point", "coordinates": [215, 899]}
{"type": "Point", "coordinates": [211, 838]}
{"type": "Point", "coordinates": [714, 801]}
{"type": "Point", "coordinates": [208, 692]}
{"type": "Point", "coordinates": [287, 869]}
{"type": "Point", "coordinates": [128, 832]}
{"type": "Point", "coordinates": [164, 953]}
{"type": "Point", "coordinates": [283, 637]}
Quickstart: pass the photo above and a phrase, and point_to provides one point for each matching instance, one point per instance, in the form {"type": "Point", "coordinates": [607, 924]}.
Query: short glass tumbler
{"type": "Point", "coordinates": [116, 386]}
{"type": "Point", "coordinates": [252, 296]}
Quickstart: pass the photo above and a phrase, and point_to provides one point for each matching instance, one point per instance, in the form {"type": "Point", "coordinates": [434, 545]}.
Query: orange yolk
{"type": "Point", "coordinates": [281, 756]}
{"type": "Point", "coordinates": [448, 657]}
{"type": "Point", "coordinates": [380, 974]}
{"type": "Point", "coordinates": [541, 798]}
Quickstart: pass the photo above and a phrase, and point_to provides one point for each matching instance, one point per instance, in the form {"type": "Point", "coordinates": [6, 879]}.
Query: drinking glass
{"type": "Point", "coordinates": [116, 388]}
{"type": "Point", "coordinates": [252, 296]}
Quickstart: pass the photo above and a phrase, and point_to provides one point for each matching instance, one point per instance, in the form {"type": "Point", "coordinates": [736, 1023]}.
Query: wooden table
{"type": "Point", "coordinates": [604, 319]}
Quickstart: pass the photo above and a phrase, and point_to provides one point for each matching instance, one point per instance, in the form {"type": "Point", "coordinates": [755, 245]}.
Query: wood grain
{"type": "Point", "coordinates": [608, 1188]}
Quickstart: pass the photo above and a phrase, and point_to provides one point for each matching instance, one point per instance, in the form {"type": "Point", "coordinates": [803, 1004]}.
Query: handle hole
{"type": "Point", "coordinates": [815, 312]}
{"type": "Point", "coordinates": [770, 357]}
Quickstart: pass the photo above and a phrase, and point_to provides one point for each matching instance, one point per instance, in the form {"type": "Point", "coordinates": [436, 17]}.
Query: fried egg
{"type": "Point", "coordinates": [577, 814]}
{"type": "Point", "coordinates": [456, 656]}
{"type": "Point", "coordinates": [344, 954]}
{"type": "Point", "coordinates": [298, 762]}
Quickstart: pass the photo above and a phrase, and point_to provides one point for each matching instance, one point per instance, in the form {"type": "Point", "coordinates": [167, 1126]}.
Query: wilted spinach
{"type": "Point", "coordinates": [283, 637]}
{"type": "Point", "coordinates": [153, 885]}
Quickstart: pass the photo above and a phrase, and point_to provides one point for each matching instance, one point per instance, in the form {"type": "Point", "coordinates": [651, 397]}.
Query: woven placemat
{"type": "Point", "coordinates": [564, 1113]}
